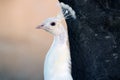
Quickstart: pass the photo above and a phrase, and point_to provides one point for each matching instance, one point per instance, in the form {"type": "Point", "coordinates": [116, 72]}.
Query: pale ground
{"type": "Point", "coordinates": [22, 47]}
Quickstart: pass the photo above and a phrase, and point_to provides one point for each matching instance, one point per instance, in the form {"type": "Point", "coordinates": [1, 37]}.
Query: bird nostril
{"type": "Point", "coordinates": [42, 25]}
{"type": "Point", "coordinates": [39, 27]}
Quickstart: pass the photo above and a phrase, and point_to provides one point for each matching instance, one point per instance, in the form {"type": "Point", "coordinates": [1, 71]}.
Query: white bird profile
{"type": "Point", "coordinates": [57, 64]}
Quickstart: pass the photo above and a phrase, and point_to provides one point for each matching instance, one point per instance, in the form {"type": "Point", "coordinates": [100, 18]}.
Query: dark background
{"type": "Point", "coordinates": [95, 39]}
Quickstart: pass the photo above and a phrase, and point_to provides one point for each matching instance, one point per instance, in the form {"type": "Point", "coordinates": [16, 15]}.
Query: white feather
{"type": "Point", "coordinates": [67, 11]}
{"type": "Point", "coordinates": [58, 63]}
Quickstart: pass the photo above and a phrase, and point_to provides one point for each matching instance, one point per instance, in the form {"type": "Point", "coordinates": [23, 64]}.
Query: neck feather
{"type": "Point", "coordinates": [62, 37]}
{"type": "Point", "coordinates": [58, 62]}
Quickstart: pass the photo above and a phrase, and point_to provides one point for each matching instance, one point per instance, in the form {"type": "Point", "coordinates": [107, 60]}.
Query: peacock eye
{"type": "Point", "coordinates": [53, 24]}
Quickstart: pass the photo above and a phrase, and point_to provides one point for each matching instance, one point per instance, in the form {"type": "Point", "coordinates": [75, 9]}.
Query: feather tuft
{"type": "Point", "coordinates": [68, 12]}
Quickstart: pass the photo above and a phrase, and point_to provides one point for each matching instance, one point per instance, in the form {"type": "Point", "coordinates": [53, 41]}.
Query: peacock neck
{"type": "Point", "coordinates": [58, 62]}
{"type": "Point", "coordinates": [61, 38]}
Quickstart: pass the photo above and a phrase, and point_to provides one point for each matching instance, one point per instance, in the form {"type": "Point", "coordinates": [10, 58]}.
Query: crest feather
{"type": "Point", "coordinates": [66, 12]}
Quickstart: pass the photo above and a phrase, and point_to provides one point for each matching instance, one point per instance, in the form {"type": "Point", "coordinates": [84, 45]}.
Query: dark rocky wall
{"type": "Point", "coordinates": [95, 39]}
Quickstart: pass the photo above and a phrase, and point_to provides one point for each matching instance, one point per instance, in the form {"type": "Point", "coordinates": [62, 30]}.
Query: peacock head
{"type": "Point", "coordinates": [54, 24]}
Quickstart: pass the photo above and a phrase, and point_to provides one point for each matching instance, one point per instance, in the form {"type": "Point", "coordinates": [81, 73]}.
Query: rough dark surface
{"type": "Point", "coordinates": [95, 39]}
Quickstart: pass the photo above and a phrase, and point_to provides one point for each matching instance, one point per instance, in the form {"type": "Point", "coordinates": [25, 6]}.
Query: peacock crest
{"type": "Point", "coordinates": [67, 12]}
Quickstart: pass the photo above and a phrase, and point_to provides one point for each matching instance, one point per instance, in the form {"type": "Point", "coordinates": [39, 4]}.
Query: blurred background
{"type": "Point", "coordinates": [22, 46]}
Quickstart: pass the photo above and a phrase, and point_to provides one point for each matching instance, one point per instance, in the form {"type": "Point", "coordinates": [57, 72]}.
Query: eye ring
{"type": "Point", "coordinates": [52, 23]}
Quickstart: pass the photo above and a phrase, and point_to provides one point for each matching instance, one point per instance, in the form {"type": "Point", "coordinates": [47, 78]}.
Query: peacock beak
{"type": "Point", "coordinates": [40, 26]}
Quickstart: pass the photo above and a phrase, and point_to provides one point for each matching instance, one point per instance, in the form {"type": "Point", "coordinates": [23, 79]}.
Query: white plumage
{"type": "Point", "coordinates": [58, 62]}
